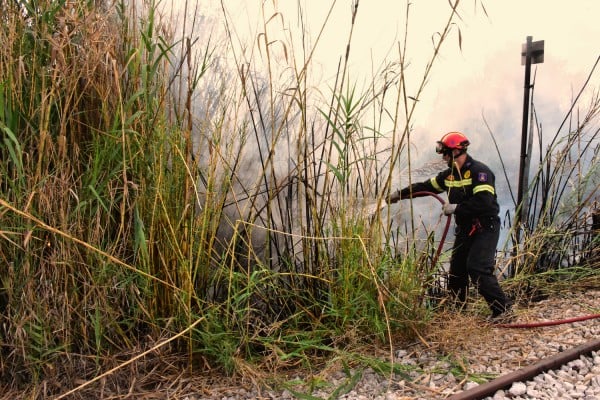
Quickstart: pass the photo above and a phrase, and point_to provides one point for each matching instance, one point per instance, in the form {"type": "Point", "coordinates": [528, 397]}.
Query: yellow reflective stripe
{"type": "Point", "coordinates": [458, 184]}
{"type": "Point", "coordinates": [483, 188]}
{"type": "Point", "coordinates": [435, 185]}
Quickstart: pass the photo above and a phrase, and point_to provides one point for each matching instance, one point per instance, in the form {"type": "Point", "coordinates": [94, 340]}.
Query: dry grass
{"type": "Point", "coordinates": [148, 237]}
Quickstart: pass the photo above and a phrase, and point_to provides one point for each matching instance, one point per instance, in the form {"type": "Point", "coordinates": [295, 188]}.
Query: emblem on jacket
{"type": "Point", "coordinates": [482, 177]}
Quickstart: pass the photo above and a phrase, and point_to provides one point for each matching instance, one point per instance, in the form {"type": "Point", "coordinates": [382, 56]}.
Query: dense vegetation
{"type": "Point", "coordinates": [155, 202]}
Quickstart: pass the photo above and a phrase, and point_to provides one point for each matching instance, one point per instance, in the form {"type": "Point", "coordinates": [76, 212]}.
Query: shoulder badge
{"type": "Point", "coordinates": [482, 177]}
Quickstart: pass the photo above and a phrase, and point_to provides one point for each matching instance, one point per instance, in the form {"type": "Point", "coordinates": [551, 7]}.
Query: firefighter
{"type": "Point", "coordinates": [473, 202]}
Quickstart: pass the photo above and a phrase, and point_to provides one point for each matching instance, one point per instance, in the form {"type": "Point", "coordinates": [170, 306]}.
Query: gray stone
{"type": "Point", "coordinates": [518, 389]}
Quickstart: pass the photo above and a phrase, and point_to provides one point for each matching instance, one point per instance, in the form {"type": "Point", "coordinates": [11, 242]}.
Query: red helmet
{"type": "Point", "coordinates": [451, 141]}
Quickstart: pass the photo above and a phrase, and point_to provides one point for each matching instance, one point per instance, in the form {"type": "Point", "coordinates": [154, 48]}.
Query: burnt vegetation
{"type": "Point", "coordinates": [162, 210]}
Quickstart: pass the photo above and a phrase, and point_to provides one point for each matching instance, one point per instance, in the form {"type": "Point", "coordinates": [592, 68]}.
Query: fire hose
{"type": "Point", "coordinates": [510, 325]}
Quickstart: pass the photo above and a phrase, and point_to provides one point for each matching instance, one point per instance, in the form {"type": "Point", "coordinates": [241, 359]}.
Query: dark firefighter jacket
{"type": "Point", "coordinates": [472, 189]}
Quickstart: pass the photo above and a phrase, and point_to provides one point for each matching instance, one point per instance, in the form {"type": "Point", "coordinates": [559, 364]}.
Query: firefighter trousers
{"type": "Point", "coordinates": [473, 259]}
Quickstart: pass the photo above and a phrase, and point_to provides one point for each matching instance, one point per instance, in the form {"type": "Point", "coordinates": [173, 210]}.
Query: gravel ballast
{"type": "Point", "coordinates": [463, 352]}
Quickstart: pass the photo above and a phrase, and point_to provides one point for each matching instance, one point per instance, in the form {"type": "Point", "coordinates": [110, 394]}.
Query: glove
{"type": "Point", "coordinates": [449, 208]}
{"type": "Point", "coordinates": [393, 197]}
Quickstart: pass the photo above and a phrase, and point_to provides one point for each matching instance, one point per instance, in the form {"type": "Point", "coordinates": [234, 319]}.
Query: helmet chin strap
{"type": "Point", "coordinates": [450, 153]}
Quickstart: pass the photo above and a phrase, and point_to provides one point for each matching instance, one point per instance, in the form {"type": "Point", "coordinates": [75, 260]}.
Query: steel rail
{"type": "Point", "coordinates": [524, 374]}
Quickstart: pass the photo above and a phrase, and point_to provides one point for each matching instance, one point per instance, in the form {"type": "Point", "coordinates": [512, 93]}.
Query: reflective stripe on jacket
{"type": "Point", "coordinates": [472, 189]}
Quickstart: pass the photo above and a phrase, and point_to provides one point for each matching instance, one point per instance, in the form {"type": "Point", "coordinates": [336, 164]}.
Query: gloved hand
{"type": "Point", "coordinates": [393, 197]}
{"type": "Point", "coordinates": [449, 208]}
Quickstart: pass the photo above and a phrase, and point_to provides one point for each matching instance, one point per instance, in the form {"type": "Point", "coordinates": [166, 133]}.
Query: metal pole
{"type": "Point", "coordinates": [521, 190]}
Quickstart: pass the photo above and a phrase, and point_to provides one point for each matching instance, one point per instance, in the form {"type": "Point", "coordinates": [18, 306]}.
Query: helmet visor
{"type": "Point", "coordinates": [440, 148]}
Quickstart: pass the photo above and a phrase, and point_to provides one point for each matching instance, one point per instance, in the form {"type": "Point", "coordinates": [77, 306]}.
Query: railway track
{"type": "Point", "coordinates": [530, 372]}
{"type": "Point", "coordinates": [488, 360]}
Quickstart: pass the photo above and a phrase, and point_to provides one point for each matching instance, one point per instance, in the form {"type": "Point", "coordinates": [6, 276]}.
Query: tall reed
{"type": "Point", "coordinates": [563, 196]}
{"type": "Point", "coordinates": [160, 184]}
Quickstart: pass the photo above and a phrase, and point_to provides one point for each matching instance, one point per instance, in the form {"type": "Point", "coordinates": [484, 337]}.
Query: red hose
{"type": "Point", "coordinates": [548, 323]}
{"type": "Point", "coordinates": [446, 228]}
{"type": "Point", "coordinates": [525, 325]}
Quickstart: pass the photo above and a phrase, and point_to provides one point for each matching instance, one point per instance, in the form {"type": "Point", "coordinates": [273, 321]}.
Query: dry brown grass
{"type": "Point", "coordinates": [116, 241]}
